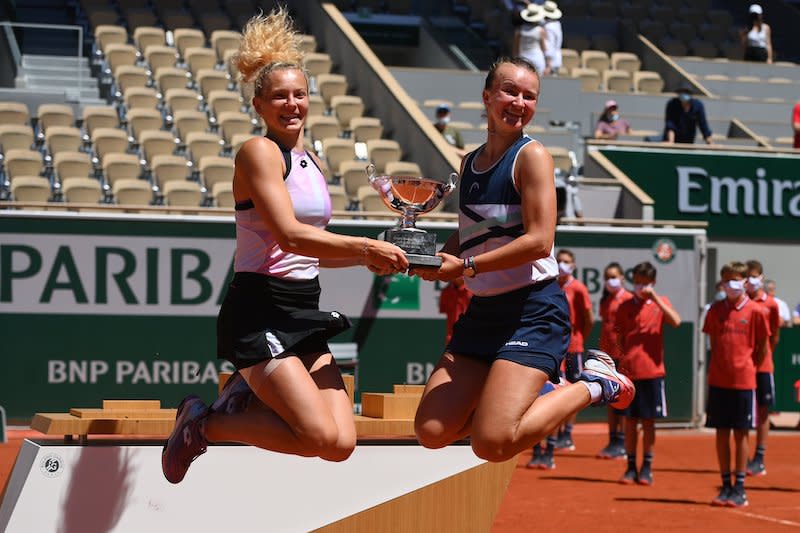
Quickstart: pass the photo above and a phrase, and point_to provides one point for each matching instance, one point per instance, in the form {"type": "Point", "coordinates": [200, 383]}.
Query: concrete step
{"type": "Point", "coordinates": [46, 82]}
{"type": "Point", "coordinates": [59, 70]}
{"type": "Point", "coordinates": [29, 60]}
{"type": "Point", "coordinates": [71, 93]}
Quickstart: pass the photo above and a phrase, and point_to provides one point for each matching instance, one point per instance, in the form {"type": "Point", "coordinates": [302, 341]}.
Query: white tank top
{"type": "Point", "coordinates": [256, 248]}
{"type": "Point", "coordinates": [757, 38]}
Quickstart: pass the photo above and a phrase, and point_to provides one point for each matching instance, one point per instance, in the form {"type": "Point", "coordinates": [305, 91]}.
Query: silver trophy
{"type": "Point", "coordinates": [412, 196]}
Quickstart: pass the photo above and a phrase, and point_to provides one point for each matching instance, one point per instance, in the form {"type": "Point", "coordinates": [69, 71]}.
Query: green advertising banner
{"type": "Point", "coordinates": [741, 195]}
{"type": "Point", "coordinates": [787, 371]}
{"type": "Point", "coordinates": [97, 307]}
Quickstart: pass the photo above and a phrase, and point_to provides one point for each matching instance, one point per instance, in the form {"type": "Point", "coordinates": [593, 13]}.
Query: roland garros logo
{"type": "Point", "coordinates": [52, 465]}
{"type": "Point", "coordinates": [664, 251]}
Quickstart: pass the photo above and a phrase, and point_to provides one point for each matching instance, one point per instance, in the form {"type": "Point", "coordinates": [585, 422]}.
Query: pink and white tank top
{"type": "Point", "coordinates": [256, 247]}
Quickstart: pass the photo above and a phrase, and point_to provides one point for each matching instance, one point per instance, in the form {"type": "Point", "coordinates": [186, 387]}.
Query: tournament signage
{"type": "Point", "coordinates": [739, 194]}
{"type": "Point", "coordinates": [97, 307]}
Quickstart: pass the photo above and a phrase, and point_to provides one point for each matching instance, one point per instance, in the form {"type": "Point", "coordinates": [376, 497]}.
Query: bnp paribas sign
{"type": "Point", "coordinates": [740, 194]}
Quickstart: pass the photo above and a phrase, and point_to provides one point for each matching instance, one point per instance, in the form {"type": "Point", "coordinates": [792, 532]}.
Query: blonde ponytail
{"type": "Point", "coordinates": [268, 43]}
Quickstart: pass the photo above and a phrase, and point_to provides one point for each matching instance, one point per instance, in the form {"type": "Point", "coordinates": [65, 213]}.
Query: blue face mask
{"type": "Point", "coordinates": [614, 116]}
{"type": "Point", "coordinates": [684, 97]}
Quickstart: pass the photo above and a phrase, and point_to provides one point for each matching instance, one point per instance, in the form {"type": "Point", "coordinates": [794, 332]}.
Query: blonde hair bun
{"type": "Point", "coordinates": [267, 42]}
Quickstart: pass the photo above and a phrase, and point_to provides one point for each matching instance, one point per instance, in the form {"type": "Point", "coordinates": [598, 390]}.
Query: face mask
{"type": "Point", "coordinates": [754, 284]}
{"type": "Point", "coordinates": [734, 288]}
{"type": "Point", "coordinates": [613, 284]}
{"type": "Point", "coordinates": [721, 295]}
{"type": "Point", "coordinates": [565, 269]}
{"type": "Point", "coordinates": [443, 121]}
{"type": "Point", "coordinates": [614, 116]}
{"type": "Point", "coordinates": [639, 288]}
{"type": "Point", "coordinates": [684, 97]}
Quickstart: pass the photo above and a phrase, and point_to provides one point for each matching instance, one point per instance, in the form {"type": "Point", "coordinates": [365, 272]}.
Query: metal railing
{"type": "Point", "coordinates": [17, 54]}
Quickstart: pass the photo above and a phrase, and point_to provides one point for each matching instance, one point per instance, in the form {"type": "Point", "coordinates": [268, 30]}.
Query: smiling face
{"type": "Point", "coordinates": [283, 101]}
{"type": "Point", "coordinates": [511, 98]}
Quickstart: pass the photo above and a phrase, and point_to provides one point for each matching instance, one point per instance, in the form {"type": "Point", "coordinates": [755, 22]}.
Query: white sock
{"type": "Point", "coordinates": [595, 390]}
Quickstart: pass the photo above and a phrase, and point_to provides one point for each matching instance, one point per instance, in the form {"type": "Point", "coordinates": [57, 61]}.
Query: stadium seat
{"type": "Point", "coordinates": [203, 144]}
{"type": "Point", "coordinates": [339, 200]}
{"type": "Point", "coordinates": [119, 54]}
{"type": "Point", "coordinates": [54, 115]}
{"type": "Point", "coordinates": [30, 189]}
{"type": "Point", "coordinates": [353, 176]}
{"type": "Point", "coordinates": [132, 192]}
{"type": "Point", "coordinates": [403, 168]}
{"type": "Point", "coordinates": [223, 41]}
{"type": "Point", "coordinates": [308, 43]}
{"type": "Point", "coordinates": [211, 80]}
{"type": "Point", "coordinates": [561, 159]}
{"type": "Point", "coordinates": [222, 193]}
{"type": "Point", "coordinates": [160, 56]}
{"type": "Point", "coordinates": [617, 81]}
{"type": "Point", "coordinates": [646, 81]}
{"type": "Point", "coordinates": [370, 200]}
{"type": "Point", "coordinates": [177, 99]}
{"type": "Point", "coordinates": [106, 34]}
{"type": "Point", "coordinates": [238, 140]}
{"type": "Point", "coordinates": [625, 61]}
{"type": "Point", "coordinates": [223, 101]}
{"type": "Point", "coordinates": [166, 168]}
{"type": "Point", "coordinates": [322, 126]}
{"type": "Point", "coordinates": [21, 162]}
{"type": "Point", "coordinates": [15, 136]}
{"type": "Point", "coordinates": [317, 63]}
{"type": "Point", "coordinates": [62, 139]}
{"type": "Point", "coordinates": [216, 169]}
{"type": "Point", "coordinates": [109, 141]}
{"type": "Point", "coordinates": [72, 165]}
{"type": "Point", "coordinates": [182, 193]}
{"type": "Point", "coordinates": [167, 78]}
{"type": "Point", "coordinates": [337, 150]}
{"type": "Point", "coordinates": [330, 85]}
{"type": "Point", "coordinates": [186, 38]}
{"type": "Point", "coordinates": [187, 121]}
{"type": "Point", "coordinates": [140, 98]}
{"type": "Point", "coordinates": [155, 142]}
{"type": "Point", "coordinates": [177, 18]}
{"type": "Point", "coordinates": [200, 58]}
{"type": "Point", "coordinates": [233, 122]}
{"type": "Point", "coordinates": [381, 151]}
{"type": "Point", "coordinates": [595, 59]}
{"type": "Point", "coordinates": [142, 119]}
{"type": "Point", "coordinates": [147, 36]}
{"type": "Point", "coordinates": [570, 59]}
{"type": "Point", "coordinates": [316, 105]}
{"type": "Point", "coordinates": [118, 166]}
{"type": "Point", "coordinates": [82, 190]}
{"type": "Point", "coordinates": [99, 117]}
{"type": "Point", "coordinates": [366, 128]}
{"type": "Point", "coordinates": [14, 113]}
{"type": "Point", "coordinates": [346, 107]}
{"type": "Point", "coordinates": [129, 76]}
{"type": "Point", "coordinates": [590, 79]}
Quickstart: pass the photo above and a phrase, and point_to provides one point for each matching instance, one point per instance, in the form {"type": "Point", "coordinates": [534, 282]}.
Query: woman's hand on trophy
{"type": "Point", "coordinates": [452, 268]}
{"type": "Point", "coordinates": [384, 258]}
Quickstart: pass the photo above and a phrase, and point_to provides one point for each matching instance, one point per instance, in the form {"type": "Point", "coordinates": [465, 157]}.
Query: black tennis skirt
{"type": "Point", "coordinates": [263, 317]}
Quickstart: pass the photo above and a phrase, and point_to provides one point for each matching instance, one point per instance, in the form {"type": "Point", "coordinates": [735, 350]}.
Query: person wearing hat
{"type": "Point", "coordinates": [611, 125]}
{"type": "Point", "coordinates": [684, 114]}
{"type": "Point", "coordinates": [530, 39]}
{"type": "Point", "coordinates": [555, 37]}
{"type": "Point", "coordinates": [757, 37]}
{"type": "Point", "coordinates": [442, 123]}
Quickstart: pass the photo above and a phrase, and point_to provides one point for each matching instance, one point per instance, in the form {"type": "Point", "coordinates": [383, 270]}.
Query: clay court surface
{"type": "Point", "coordinates": [582, 493]}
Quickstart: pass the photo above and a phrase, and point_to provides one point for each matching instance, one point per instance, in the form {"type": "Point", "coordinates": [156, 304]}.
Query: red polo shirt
{"type": "Point", "coordinates": [609, 340]}
{"type": "Point", "coordinates": [640, 326]}
{"type": "Point", "coordinates": [735, 331]}
{"type": "Point", "coordinates": [770, 307]}
{"type": "Point", "coordinates": [579, 302]}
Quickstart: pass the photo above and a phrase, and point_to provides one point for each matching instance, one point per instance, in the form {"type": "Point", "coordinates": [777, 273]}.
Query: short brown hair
{"type": "Point", "coordinates": [734, 267]}
{"type": "Point", "coordinates": [755, 265]}
{"type": "Point", "coordinates": [646, 270]}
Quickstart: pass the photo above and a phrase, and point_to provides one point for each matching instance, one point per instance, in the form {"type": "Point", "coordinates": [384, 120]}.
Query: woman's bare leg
{"type": "Point", "coordinates": [299, 420]}
{"type": "Point", "coordinates": [510, 415]}
{"type": "Point", "coordinates": [451, 394]}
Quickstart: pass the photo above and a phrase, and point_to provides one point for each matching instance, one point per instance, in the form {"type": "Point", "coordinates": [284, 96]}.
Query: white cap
{"type": "Point", "coordinates": [755, 8]}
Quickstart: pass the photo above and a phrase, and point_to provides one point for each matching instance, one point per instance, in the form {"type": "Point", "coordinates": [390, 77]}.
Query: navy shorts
{"type": "Point", "coordinates": [650, 400]}
{"type": "Point", "coordinates": [765, 389]}
{"type": "Point", "coordinates": [529, 326]}
{"type": "Point", "coordinates": [730, 408]}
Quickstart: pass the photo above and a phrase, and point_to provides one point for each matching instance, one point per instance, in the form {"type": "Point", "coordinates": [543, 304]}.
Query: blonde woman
{"type": "Point", "coordinates": [270, 326]}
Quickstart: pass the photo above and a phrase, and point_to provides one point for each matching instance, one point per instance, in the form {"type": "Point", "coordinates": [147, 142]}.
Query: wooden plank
{"type": "Point", "coordinates": [466, 502]}
{"type": "Point", "coordinates": [350, 386]}
{"type": "Point", "coordinates": [375, 427]}
{"type": "Point", "coordinates": [389, 405]}
{"type": "Point", "coordinates": [409, 389]}
{"type": "Point", "coordinates": [112, 405]}
{"type": "Point", "coordinates": [120, 413]}
{"type": "Point", "coordinates": [66, 424]}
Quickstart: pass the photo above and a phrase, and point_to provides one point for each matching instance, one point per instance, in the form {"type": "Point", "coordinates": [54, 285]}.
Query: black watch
{"type": "Point", "coordinates": [469, 267]}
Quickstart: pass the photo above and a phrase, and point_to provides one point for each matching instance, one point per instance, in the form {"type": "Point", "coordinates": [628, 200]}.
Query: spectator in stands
{"type": "Point", "coordinates": [270, 326]}
{"type": "Point", "coordinates": [796, 124]}
{"type": "Point", "coordinates": [451, 134]}
{"type": "Point", "coordinates": [783, 307]}
{"type": "Point", "coordinates": [555, 38]}
{"type": "Point", "coordinates": [683, 116]}
{"type": "Point", "coordinates": [757, 37]}
{"type": "Point", "coordinates": [611, 125]}
{"type": "Point", "coordinates": [530, 39]}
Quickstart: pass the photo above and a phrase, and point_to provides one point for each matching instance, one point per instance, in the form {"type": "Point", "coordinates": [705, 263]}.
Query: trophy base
{"type": "Point", "coordinates": [419, 246]}
{"type": "Point", "coordinates": [424, 261]}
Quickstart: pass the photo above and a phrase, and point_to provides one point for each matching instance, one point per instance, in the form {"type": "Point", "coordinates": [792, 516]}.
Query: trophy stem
{"type": "Point", "coordinates": [408, 218]}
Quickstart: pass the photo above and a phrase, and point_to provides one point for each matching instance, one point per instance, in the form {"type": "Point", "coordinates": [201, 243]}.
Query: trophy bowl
{"type": "Point", "coordinates": [411, 196]}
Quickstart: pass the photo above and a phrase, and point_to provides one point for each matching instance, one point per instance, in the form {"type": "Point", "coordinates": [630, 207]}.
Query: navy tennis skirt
{"type": "Point", "coordinates": [263, 317]}
{"type": "Point", "coordinates": [529, 326]}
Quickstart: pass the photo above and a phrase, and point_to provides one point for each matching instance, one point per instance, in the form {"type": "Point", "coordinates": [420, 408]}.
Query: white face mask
{"type": "Point", "coordinates": [613, 284]}
{"type": "Point", "coordinates": [639, 288]}
{"type": "Point", "coordinates": [565, 269]}
{"type": "Point", "coordinates": [443, 121]}
{"type": "Point", "coordinates": [721, 295]}
{"type": "Point", "coordinates": [734, 288]}
{"type": "Point", "coordinates": [754, 284]}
